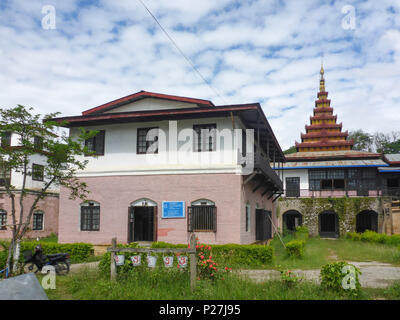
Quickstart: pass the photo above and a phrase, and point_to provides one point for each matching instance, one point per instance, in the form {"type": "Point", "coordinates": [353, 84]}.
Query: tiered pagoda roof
{"type": "Point", "coordinates": [323, 133]}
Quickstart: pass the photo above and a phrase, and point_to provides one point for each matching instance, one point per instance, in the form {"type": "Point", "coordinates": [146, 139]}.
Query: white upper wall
{"type": "Point", "coordinates": [301, 173]}
{"type": "Point", "coordinates": [120, 157]}
{"type": "Point", "coordinates": [150, 104]}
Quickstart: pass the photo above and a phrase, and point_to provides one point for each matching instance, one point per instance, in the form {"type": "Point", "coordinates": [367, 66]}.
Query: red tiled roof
{"type": "Point", "coordinates": [338, 154]}
{"type": "Point", "coordinates": [145, 94]}
{"type": "Point", "coordinates": [324, 133]}
{"type": "Point", "coordinates": [324, 117]}
{"type": "Point", "coordinates": [324, 126]}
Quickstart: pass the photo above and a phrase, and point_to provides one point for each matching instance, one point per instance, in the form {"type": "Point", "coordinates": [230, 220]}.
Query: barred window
{"type": "Point", "coordinates": [90, 216]}
{"type": "Point", "coordinates": [38, 143]}
{"type": "Point", "coordinates": [3, 220]}
{"type": "Point", "coordinates": [37, 172]}
{"type": "Point", "coordinates": [5, 176]}
{"type": "Point", "coordinates": [147, 140]}
{"type": "Point", "coordinates": [95, 145]}
{"type": "Point", "coordinates": [293, 187]}
{"type": "Point", "coordinates": [5, 139]}
{"type": "Point", "coordinates": [202, 216]}
{"type": "Point", "coordinates": [204, 137]}
{"type": "Point", "coordinates": [38, 220]}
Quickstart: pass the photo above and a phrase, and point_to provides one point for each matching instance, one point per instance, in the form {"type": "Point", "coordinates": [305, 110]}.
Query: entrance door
{"type": "Point", "coordinates": [263, 225]}
{"type": "Point", "coordinates": [142, 222]}
{"type": "Point", "coordinates": [328, 224]}
{"type": "Point", "coordinates": [367, 220]}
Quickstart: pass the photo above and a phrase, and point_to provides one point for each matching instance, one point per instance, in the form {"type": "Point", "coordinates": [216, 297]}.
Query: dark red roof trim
{"type": "Point", "coordinates": [141, 95]}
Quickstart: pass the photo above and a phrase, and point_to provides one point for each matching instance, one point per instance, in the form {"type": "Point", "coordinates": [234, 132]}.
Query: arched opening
{"type": "Point", "coordinates": [367, 220]}
{"type": "Point", "coordinates": [292, 219]}
{"type": "Point", "coordinates": [328, 224]}
{"type": "Point", "coordinates": [142, 220]}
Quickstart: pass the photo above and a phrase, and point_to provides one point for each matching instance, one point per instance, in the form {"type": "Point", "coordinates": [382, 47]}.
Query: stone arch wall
{"type": "Point", "coordinates": [345, 207]}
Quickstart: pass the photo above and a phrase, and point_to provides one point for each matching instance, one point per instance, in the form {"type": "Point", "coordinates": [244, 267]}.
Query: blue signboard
{"type": "Point", "coordinates": [173, 209]}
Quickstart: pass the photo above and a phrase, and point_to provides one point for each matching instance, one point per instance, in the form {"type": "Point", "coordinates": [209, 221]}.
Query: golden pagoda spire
{"type": "Point", "coordinates": [322, 81]}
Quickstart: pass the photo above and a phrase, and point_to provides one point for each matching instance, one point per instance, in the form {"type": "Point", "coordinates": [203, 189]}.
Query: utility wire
{"type": "Point", "coordinates": [181, 52]}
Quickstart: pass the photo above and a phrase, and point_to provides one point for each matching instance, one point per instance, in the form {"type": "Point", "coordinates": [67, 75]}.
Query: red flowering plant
{"type": "Point", "coordinates": [207, 268]}
{"type": "Point", "coordinates": [289, 278]}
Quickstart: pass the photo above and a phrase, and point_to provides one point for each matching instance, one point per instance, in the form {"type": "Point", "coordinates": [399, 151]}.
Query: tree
{"type": "Point", "coordinates": [61, 154]}
{"type": "Point", "coordinates": [363, 141]}
{"type": "Point", "coordinates": [292, 149]}
{"type": "Point", "coordinates": [386, 143]}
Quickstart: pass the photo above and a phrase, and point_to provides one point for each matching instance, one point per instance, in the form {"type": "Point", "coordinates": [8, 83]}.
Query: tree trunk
{"type": "Point", "coordinates": [17, 248]}
{"type": "Point", "coordinates": [9, 257]}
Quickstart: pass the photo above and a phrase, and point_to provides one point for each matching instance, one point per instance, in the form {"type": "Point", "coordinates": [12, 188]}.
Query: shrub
{"type": "Point", "coordinates": [295, 248]}
{"type": "Point", "coordinates": [248, 255]}
{"type": "Point", "coordinates": [288, 278]}
{"type": "Point", "coordinates": [302, 232]}
{"type": "Point", "coordinates": [341, 277]}
{"type": "Point", "coordinates": [373, 237]}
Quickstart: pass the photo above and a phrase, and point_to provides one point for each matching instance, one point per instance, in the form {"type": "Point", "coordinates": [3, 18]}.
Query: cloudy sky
{"type": "Point", "coordinates": [249, 51]}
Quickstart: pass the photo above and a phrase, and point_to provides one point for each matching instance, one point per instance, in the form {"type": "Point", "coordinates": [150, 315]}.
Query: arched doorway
{"type": "Point", "coordinates": [328, 224]}
{"type": "Point", "coordinates": [367, 220]}
{"type": "Point", "coordinates": [142, 220]}
{"type": "Point", "coordinates": [292, 219]}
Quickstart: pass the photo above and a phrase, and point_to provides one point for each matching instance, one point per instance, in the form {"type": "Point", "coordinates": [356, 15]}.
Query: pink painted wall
{"type": "Point", "coordinates": [117, 192]}
{"type": "Point", "coordinates": [49, 206]}
{"type": "Point", "coordinates": [256, 200]}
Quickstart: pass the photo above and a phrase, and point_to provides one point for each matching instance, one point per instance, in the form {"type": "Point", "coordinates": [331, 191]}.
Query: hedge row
{"type": "Point", "coordinates": [79, 252]}
{"type": "Point", "coordinates": [371, 236]}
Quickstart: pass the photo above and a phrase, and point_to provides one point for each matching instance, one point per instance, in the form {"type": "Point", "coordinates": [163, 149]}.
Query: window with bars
{"type": "Point", "coordinates": [293, 187]}
{"type": "Point", "coordinates": [95, 145]}
{"type": "Point", "coordinates": [90, 217]}
{"type": "Point", "coordinates": [202, 218]}
{"type": "Point", "coordinates": [204, 137]}
{"type": "Point", "coordinates": [5, 176]}
{"type": "Point", "coordinates": [38, 143]}
{"type": "Point", "coordinates": [38, 220]}
{"type": "Point", "coordinates": [5, 139]}
{"type": "Point", "coordinates": [37, 172]}
{"type": "Point", "coordinates": [3, 220]}
{"type": "Point", "coordinates": [147, 140]}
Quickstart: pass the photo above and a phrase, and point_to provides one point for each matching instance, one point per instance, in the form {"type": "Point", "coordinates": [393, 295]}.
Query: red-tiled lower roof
{"type": "Point", "coordinates": [338, 154]}
{"type": "Point", "coordinates": [325, 143]}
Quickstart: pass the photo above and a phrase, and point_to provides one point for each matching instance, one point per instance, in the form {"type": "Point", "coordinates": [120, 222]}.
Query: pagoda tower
{"type": "Point", "coordinates": [323, 133]}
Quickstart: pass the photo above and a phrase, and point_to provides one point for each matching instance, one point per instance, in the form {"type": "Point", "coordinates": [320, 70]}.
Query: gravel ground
{"type": "Point", "coordinates": [374, 274]}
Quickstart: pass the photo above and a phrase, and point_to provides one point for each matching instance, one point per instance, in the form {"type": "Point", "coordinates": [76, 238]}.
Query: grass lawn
{"type": "Point", "coordinates": [322, 251]}
{"type": "Point", "coordinates": [172, 285]}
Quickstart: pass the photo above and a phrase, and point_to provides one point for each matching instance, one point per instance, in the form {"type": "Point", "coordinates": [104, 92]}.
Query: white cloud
{"type": "Point", "coordinates": [265, 51]}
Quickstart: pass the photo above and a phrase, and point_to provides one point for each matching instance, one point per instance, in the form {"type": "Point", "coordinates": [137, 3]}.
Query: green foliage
{"type": "Point", "coordinates": [288, 278]}
{"type": "Point", "coordinates": [244, 255]}
{"type": "Point", "coordinates": [373, 237]}
{"type": "Point", "coordinates": [295, 248]}
{"type": "Point", "coordinates": [302, 233]}
{"type": "Point", "coordinates": [337, 276]}
{"type": "Point", "coordinates": [292, 149]}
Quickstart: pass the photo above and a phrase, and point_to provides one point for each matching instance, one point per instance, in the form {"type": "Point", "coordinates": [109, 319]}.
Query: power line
{"type": "Point", "coordinates": [181, 52]}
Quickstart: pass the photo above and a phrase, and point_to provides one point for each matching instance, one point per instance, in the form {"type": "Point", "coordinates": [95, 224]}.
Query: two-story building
{"type": "Point", "coordinates": [45, 217]}
{"type": "Point", "coordinates": [166, 166]}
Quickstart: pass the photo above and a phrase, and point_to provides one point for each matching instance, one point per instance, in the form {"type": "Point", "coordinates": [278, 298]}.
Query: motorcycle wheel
{"type": "Point", "coordinates": [62, 268]}
{"type": "Point", "coordinates": [30, 267]}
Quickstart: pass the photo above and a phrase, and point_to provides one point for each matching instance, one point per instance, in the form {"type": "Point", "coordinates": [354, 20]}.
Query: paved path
{"type": "Point", "coordinates": [77, 266]}
{"type": "Point", "coordinates": [374, 274]}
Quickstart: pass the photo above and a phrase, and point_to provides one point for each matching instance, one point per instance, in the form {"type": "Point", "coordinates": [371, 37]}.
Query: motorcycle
{"type": "Point", "coordinates": [36, 261]}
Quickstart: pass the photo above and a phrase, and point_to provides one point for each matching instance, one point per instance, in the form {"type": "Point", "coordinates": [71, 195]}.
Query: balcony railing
{"type": "Point", "coordinates": [306, 193]}
{"type": "Point", "coordinates": [260, 164]}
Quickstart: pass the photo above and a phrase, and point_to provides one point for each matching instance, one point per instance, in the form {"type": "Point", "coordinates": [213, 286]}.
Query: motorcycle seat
{"type": "Point", "coordinates": [56, 255]}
